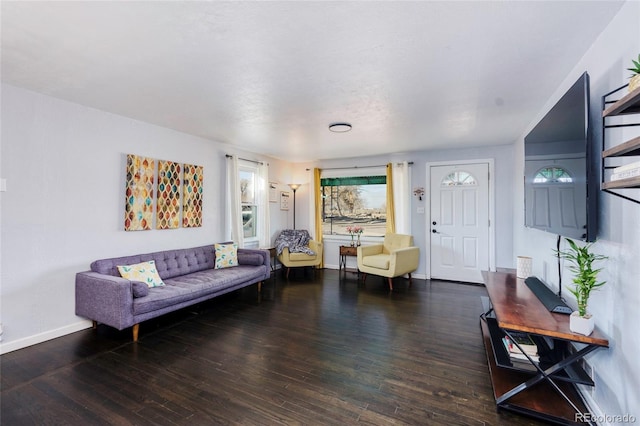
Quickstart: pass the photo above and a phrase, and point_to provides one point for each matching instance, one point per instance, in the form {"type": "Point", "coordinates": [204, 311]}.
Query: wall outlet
{"type": "Point", "coordinates": [588, 368]}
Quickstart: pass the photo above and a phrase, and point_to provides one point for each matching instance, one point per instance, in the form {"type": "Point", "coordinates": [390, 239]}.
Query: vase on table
{"type": "Point", "coordinates": [352, 243]}
{"type": "Point", "coordinates": [358, 243]}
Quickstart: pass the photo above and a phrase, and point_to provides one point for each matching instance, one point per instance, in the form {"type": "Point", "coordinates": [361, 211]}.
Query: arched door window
{"type": "Point", "coordinates": [552, 174]}
{"type": "Point", "coordinates": [459, 178]}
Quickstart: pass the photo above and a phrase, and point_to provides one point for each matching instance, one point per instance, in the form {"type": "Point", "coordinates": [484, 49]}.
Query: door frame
{"type": "Point", "coordinates": [492, 202]}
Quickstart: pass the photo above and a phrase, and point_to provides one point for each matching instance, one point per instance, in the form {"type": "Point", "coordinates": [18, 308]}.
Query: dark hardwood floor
{"type": "Point", "coordinates": [315, 350]}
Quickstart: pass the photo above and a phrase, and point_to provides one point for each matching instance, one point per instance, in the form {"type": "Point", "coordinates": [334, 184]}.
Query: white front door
{"type": "Point", "coordinates": [459, 225]}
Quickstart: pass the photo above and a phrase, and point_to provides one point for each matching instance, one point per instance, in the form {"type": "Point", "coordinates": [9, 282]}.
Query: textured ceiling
{"type": "Point", "coordinates": [270, 77]}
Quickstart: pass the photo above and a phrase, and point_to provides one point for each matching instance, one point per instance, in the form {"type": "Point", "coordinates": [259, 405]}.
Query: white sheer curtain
{"type": "Point", "coordinates": [312, 204]}
{"type": "Point", "coordinates": [234, 213]}
{"type": "Point", "coordinates": [402, 197]}
{"type": "Point", "coordinates": [262, 200]}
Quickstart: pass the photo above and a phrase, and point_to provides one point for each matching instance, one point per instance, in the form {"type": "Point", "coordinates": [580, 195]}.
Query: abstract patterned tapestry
{"type": "Point", "coordinates": [168, 195]}
{"type": "Point", "coordinates": [192, 196]}
{"type": "Point", "coordinates": [139, 193]}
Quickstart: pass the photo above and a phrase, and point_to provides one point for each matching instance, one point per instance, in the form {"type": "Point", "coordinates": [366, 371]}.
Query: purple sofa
{"type": "Point", "coordinates": [103, 296]}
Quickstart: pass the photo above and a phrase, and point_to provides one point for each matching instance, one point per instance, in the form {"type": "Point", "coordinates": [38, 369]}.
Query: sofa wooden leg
{"type": "Point", "coordinates": [288, 269]}
{"type": "Point", "coordinates": [259, 286]}
{"type": "Point", "coordinates": [390, 284]}
{"type": "Point", "coordinates": [136, 329]}
{"type": "Point", "coordinates": [94, 324]}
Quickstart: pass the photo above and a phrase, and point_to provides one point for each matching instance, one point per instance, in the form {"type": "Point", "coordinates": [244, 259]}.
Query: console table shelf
{"type": "Point", "coordinates": [573, 373]}
{"type": "Point", "coordinates": [548, 392]}
{"type": "Point", "coordinates": [535, 401]}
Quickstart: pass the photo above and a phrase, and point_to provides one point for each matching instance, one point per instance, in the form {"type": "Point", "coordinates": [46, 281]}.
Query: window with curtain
{"type": "Point", "coordinates": [248, 177]}
{"type": "Point", "coordinates": [354, 201]}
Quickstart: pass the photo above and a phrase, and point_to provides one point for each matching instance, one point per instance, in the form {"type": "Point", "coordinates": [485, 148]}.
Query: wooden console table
{"type": "Point", "coordinates": [548, 390]}
{"type": "Point", "coordinates": [344, 252]}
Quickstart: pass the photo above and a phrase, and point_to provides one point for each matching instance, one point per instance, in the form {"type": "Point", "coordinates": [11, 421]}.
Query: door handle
{"type": "Point", "coordinates": [434, 231]}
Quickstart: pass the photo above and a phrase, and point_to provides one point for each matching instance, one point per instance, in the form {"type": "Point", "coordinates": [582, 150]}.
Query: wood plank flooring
{"type": "Point", "coordinates": [316, 350]}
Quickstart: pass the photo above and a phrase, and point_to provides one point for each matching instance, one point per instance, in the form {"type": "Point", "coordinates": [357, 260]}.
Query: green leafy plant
{"type": "Point", "coordinates": [585, 279]}
{"type": "Point", "coordinates": [636, 66]}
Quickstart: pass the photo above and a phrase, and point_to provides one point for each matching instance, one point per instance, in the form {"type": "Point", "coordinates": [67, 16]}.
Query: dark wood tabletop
{"type": "Point", "coordinates": [517, 308]}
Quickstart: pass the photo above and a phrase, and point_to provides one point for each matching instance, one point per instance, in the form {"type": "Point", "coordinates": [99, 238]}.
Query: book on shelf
{"type": "Point", "coordinates": [627, 167]}
{"type": "Point", "coordinates": [625, 174]}
{"type": "Point", "coordinates": [523, 365]}
{"type": "Point", "coordinates": [519, 359]}
{"type": "Point", "coordinates": [523, 340]}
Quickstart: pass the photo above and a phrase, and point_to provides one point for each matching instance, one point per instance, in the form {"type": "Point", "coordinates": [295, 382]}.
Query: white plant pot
{"type": "Point", "coordinates": [581, 325]}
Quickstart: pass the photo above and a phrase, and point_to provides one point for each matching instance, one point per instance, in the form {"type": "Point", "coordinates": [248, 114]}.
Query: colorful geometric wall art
{"type": "Point", "coordinates": [168, 195]}
{"type": "Point", "coordinates": [192, 196]}
{"type": "Point", "coordinates": [139, 193]}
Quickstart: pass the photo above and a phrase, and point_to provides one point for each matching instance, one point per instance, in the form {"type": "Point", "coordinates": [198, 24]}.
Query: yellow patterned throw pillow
{"type": "Point", "coordinates": [226, 255]}
{"type": "Point", "coordinates": [145, 272]}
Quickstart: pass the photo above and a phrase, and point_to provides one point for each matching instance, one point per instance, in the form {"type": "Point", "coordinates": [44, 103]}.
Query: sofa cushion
{"type": "Point", "coordinates": [301, 257]}
{"type": "Point", "coordinates": [379, 261]}
{"type": "Point", "coordinates": [139, 289]}
{"type": "Point", "coordinates": [145, 272]}
{"type": "Point", "coordinates": [250, 259]}
{"type": "Point", "coordinates": [226, 255]}
{"type": "Point", "coordinates": [193, 286]}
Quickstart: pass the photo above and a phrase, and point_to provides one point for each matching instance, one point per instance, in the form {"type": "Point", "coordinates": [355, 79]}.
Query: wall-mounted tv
{"type": "Point", "coordinates": [561, 182]}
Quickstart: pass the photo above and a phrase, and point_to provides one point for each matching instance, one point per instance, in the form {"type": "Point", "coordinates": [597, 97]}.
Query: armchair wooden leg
{"type": "Point", "coordinates": [136, 329]}
{"type": "Point", "coordinates": [364, 277]}
{"type": "Point", "coordinates": [288, 269]}
{"type": "Point", "coordinates": [94, 324]}
{"type": "Point", "coordinates": [390, 284]}
{"type": "Point", "coordinates": [410, 279]}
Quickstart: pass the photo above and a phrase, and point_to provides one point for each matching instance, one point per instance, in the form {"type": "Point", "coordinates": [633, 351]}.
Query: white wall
{"type": "Point", "coordinates": [64, 205]}
{"type": "Point", "coordinates": [616, 306]}
{"type": "Point", "coordinates": [504, 184]}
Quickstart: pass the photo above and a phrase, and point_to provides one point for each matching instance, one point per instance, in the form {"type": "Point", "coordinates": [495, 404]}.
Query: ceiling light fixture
{"type": "Point", "coordinates": [340, 127]}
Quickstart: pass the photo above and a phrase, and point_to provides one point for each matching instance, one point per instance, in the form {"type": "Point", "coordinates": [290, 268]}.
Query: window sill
{"type": "Point", "coordinates": [345, 239]}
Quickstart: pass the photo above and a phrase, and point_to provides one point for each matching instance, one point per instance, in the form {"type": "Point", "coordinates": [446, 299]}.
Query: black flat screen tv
{"type": "Point", "coordinates": [561, 182]}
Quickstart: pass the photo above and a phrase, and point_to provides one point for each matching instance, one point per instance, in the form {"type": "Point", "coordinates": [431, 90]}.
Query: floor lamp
{"type": "Point", "coordinates": [294, 187]}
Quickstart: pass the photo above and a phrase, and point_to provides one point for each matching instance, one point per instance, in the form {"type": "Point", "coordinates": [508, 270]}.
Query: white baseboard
{"type": "Point", "coordinates": [592, 405]}
{"type": "Point", "coordinates": [6, 347]}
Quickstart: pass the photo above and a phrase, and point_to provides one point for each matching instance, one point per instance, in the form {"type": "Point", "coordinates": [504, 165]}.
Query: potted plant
{"type": "Point", "coordinates": [584, 282]}
{"type": "Point", "coordinates": [634, 83]}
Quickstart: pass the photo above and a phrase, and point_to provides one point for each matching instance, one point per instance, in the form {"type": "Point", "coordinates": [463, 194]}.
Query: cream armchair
{"type": "Point", "coordinates": [298, 238]}
{"type": "Point", "coordinates": [295, 260]}
{"type": "Point", "coordinates": [396, 256]}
